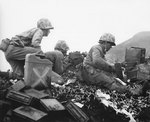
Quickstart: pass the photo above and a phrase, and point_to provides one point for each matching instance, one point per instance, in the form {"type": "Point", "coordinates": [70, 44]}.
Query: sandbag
{"type": "Point", "coordinates": [76, 112]}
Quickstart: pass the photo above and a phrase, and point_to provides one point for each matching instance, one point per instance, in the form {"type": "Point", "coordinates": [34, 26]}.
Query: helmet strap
{"type": "Point", "coordinates": [105, 44]}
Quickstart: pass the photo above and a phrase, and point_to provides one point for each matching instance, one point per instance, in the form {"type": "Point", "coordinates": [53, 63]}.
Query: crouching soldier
{"type": "Point", "coordinates": [96, 69]}
{"type": "Point", "coordinates": [57, 58]}
{"type": "Point", "coordinates": [26, 43]}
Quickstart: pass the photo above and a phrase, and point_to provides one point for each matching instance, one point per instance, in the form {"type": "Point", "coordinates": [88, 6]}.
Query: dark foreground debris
{"type": "Point", "coordinates": [118, 108]}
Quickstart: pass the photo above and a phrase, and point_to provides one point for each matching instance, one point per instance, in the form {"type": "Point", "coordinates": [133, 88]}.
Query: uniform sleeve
{"type": "Point", "coordinates": [37, 38]}
{"type": "Point", "coordinates": [98, 60]}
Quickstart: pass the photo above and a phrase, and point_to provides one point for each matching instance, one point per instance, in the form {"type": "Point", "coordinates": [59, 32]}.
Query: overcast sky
{"type": "Point", "coordinates": [79, 22]}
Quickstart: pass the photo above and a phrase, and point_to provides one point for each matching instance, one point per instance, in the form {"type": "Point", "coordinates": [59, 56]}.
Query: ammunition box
{"type": "Point", "coordinates": [140, 72]}
{"type": "Point", "coordinates": [19, 97]}
{"type": "Point", "coordinates": [36, 94]}
{"type": "Point", "coordinates": [134, 56]}
{"type": "Point", "coordinates": [28, 113]}
{"type": "Point", "coordinates": [138, 75]}
{"type": "Point", "coordinates": [52, 105]}
{"type": "Point", "coordinates": [76, 112]}
{"type": "Point", "coordinates": [17, 86]}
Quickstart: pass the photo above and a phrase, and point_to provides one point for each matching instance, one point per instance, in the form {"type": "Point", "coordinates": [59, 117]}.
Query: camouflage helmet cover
{"type": "Point", "coordinates": [44, 24]}
{"type": "Point", "coordinates": [62, 45]}
{"type": "Point", "coordinates": [108, 37]}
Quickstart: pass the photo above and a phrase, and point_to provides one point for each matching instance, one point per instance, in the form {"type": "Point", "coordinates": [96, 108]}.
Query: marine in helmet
{"type": "Point", "coordinates": [57, 56]}
{"type": "Point", "coordinates": [96, 70]}
{"type": "Point", "coordinates": [25, 43]}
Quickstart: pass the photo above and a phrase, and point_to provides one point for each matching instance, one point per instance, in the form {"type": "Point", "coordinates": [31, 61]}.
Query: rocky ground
{"type": "Point", "coordinates": [115, 107]}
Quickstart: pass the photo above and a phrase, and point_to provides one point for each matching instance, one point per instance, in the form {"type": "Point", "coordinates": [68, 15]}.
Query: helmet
{"type": "Point", "coordinates": [62, 45]}
{"type": "Point", "coordinates": [44, 24]}
{"type": "Point", "coordinates": [108, 37]}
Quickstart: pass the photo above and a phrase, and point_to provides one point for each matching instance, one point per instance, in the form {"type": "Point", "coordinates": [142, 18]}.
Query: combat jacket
{"type": "Point", "coordinates": [31, 38]}
{"type": "Point", "coordinates": [96, 58]}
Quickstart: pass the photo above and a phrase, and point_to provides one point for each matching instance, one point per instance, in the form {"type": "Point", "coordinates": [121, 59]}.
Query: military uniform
{"type": "Point", "coordinates": [56, 57]}
{"type": "Point", "coordinates": [97, 71]}
{"type": "Point", "coordinates": [26, 43]}
{"type": "Point", "coordinates": [20, 46]}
